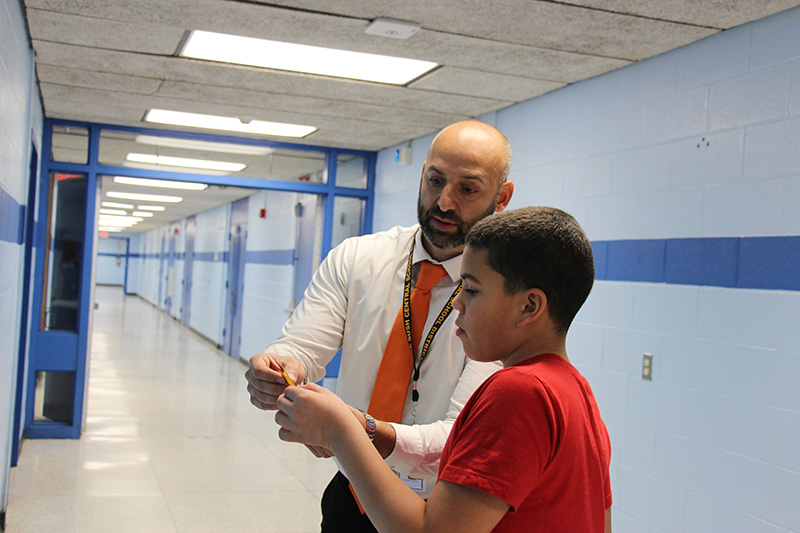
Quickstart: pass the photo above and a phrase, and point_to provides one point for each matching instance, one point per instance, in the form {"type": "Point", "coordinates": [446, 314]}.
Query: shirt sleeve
{"type": "Point", "coordinates": [313, 334]}
{"type": "Point", "coordinates": [418, 448]}
{"type": "Point", "coordinates": [501, 448]}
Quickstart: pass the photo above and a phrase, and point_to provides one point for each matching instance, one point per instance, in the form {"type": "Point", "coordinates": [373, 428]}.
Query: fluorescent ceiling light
{"type": "Point", "coordinates": [120, 218]}
{"type": "Point", "coordinates": [117, 223]}
{"type": "Point", "coordinates": [109, 229]}
{"type": "Point", "coordinates": [147, 166]}
{"type": "Point", "coordinates": [144, 197]}
{"type": "Point", "coordinates": [151, 207]}
{"type": "Point", "coordinates": [185, 162]}
{"type": "Point", "coordinates": [302, 58]}
{"type": "Point", "coordinates": [113, 212]}
{"type": "Point", "coordinates": [214, 122]}
{"type": "Point", "coordinates": [187, 185]}
{"type": "Point", "coordinates": [190, 144]}
{"type": "Point", "coordinates": [142, 214]}
{"type": "Point", "coordinates": [115, 204]}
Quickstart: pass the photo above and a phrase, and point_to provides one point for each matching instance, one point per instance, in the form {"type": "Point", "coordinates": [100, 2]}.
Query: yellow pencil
{"type": "Point", "coordinates": [289, 380]}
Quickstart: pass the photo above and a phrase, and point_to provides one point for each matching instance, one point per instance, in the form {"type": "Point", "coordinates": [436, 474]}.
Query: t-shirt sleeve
{"type": "Point", "coordinates": [504, 441]}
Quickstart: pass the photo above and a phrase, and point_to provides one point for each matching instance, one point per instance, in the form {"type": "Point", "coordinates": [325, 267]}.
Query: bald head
{"type": "Point", "coordinates": [482, 141]}
{"type": "Point", "coordinates": [464, 179]}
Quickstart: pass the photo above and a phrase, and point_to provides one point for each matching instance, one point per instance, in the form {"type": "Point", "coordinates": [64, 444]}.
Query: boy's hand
{"type": "Point", "coordinates": [314, 416]}
{"type": "Point", "coordinates": [265, 381]}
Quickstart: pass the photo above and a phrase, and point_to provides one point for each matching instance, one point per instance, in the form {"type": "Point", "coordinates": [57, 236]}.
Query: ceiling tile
{"type": "Point", "coordinates": [448, 80]}
{"type": "Point", "coordinates": [73, 77]}
{"type": "Point", "coordinates": [144, 38]}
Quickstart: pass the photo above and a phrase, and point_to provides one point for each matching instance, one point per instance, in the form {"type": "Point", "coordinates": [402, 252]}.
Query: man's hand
{"type": "Point", "coordinates": [265, 381]}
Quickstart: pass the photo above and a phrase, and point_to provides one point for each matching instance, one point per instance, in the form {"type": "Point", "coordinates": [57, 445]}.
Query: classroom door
{"type": "Point", "coordinates": [307, 255]}
{"type": "Point", "coordinates": [170, 282]}
{"type": "Point", "coordinates": [188, 266]}
{"type": "Point", "coordinates": [232, 335]}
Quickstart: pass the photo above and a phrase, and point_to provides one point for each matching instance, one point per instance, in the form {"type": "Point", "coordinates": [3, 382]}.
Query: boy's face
{"type": "Point", "coordinates": [487, 313]}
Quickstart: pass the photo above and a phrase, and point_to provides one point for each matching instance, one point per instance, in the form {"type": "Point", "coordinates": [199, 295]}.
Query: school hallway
{"type": "Point", "coordinates": [171, 442]}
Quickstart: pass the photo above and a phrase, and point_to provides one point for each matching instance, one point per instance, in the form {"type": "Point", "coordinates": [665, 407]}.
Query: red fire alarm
{"type": "Point", "coordinates": [262, 213]}
{"type": "Point", "coordinates": [176, 231]}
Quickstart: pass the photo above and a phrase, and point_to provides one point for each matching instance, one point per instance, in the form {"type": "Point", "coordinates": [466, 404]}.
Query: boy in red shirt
{"type": "Point", "coordinates": [529, 451]}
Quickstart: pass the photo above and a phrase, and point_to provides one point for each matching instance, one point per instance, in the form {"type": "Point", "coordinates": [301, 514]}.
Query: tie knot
{"type": "Point", "coordinates": [429, 274]}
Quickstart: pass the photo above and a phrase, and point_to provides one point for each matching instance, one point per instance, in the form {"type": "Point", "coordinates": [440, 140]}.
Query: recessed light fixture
{"type": "Point", "coordinates": [109, 229]}
{"type": "Point", "coordinates": [122, 222]}
{"type": "Point", "coordinates": [143, 214]}
{"type": "Point", "coordinates": [144, 197]}
{"type": "Point", "coordinates": [113, 212]}
{"type": "Point", "coordinates": [303, 58]}
{"type": "Point", "coordinates": [186, 162]}
{"type": "Point", "coordinates": [151, 207]}
{"type": "Point", "coordinates": [191, 144]}
{"type": "Point", "coordinates": [115, 204]}
{"type": "Point", "coordinates": [166, 184]}
{"type": "Point", "coordinates": [214, 122]}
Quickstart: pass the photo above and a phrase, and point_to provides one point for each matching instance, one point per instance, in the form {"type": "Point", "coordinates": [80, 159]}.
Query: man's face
{"type": "Point", "coordinates": [459, 187]}
{"type": "Point", "coordinates": [448, 230]}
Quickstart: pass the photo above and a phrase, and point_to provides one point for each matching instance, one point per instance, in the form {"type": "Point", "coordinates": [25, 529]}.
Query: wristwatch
{"type": "Point", "coordinates": [370, 426]}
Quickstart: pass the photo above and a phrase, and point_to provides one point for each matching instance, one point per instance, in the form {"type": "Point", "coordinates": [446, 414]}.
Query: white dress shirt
{"type": "Point", "coordinates": [352, 303]}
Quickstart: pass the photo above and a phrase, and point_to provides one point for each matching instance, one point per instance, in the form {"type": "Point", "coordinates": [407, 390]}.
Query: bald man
{"type": "Point", "coordinates": [353, 302]}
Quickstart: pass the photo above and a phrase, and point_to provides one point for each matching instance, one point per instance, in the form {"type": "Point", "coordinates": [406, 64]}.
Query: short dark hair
{"type": "Point", "coordinates": [543, 248]}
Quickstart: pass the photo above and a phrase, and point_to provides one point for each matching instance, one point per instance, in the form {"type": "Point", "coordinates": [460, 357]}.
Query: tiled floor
{"type": "Point", "coordinates": [171, 443]}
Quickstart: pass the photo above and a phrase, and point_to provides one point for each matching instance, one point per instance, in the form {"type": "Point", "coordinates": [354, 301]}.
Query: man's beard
{"type": "Point", "coordinates": [446, 241]}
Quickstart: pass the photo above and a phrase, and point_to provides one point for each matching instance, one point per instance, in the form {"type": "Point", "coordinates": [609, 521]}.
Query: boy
{"type": "Point", "coordinates": [529, 451]}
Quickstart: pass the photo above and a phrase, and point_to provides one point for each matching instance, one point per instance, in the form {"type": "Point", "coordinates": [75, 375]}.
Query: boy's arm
{"type": "Point", "coordinates": [608, 520]}
{"type": "Point", "coordinates": [315, 416]}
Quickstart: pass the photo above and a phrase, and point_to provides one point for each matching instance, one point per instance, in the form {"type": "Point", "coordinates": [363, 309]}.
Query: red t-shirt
{"type": "Point", "coordinates": [532, 435]}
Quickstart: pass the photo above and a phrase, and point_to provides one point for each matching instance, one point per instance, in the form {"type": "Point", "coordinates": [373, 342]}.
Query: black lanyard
{"type": "Point", "coordinates": [446, 310]}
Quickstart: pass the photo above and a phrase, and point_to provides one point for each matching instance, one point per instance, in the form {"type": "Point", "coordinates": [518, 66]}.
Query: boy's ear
{"type": "Point", "coordinates": [534, 306]}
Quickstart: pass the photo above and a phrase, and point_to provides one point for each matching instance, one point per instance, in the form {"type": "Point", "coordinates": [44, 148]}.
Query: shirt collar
{"type": "Point", "coordinates": [452, 265]}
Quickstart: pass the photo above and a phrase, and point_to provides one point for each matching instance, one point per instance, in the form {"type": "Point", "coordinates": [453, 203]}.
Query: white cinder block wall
{"type": "Point", "coordinates": [20, 125]}
{"type": "Point", "coordinates": [701, 142]}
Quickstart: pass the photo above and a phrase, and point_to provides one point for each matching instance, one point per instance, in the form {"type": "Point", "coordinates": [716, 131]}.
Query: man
{"type": "Point", "coordinates": [358, 301]}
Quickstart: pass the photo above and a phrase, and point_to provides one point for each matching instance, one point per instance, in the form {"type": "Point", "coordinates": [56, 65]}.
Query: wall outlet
{"type": "Point", "coordinates": [647, 366]}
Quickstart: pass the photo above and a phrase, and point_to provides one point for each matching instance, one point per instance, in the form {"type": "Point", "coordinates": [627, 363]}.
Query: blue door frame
{"type": "Point", "coordinates": [62, 351]}
{"type": "Point", "coordinates": [59, 351]}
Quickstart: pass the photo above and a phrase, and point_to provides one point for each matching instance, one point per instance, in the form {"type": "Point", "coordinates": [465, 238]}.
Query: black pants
{"type": "Point", "coordinates": [340, 513]}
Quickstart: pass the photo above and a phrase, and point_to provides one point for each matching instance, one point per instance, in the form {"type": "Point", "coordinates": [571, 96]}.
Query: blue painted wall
{"type": "Point", "coordinates": [269, 269]}
{"type": "Point", "coordinates": [20, 125]}
{"type": "Point", "coordinates": [108, 272]}
{"type": "Point", "coordinates": [684, 170]}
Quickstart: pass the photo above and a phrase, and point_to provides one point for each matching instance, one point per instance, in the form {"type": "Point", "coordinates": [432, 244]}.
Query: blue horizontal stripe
{"type": "Point", "coordinates": [270, 257]}
{"type": "Point", "coordinates": [211, 256]}
{"type": "Point", "coordinates": [12, 216]}
{"type": "Point", "coordinates": [263, 257]}
{"type": "Point", "coordinates": [770, 263]}
{"type": "Point", "coordinates": [743, 262]}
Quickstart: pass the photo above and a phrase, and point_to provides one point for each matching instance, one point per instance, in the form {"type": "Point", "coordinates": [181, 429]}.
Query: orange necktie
{"type": "Point", "coordinates": [394, 375]}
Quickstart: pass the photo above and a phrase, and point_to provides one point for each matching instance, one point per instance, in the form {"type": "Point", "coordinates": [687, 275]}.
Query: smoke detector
{"type": "Point", "coordinates": [396, 29]}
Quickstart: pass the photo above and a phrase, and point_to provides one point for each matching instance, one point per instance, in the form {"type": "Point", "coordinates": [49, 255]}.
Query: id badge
{"type": "Point", "coordinates": [417, 485]}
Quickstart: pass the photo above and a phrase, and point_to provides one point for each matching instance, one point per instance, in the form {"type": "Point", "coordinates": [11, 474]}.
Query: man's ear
{"type": "Point", "coordinates": [534, 306]}
{"type": "Point", "coordinates": [506, 192]}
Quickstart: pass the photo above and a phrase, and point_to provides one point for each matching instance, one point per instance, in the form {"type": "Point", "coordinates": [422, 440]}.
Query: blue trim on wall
{"type": "Point", "coordinates": [743, 262]}
{"type": "Point", "coordinates": [270, 257]}
{"type": "Point", "coordinates": [263, 257]}
{"type": "Point", "coordinates": [12, 219]}
{"type": "Point", "coordinates": [219, 257]}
